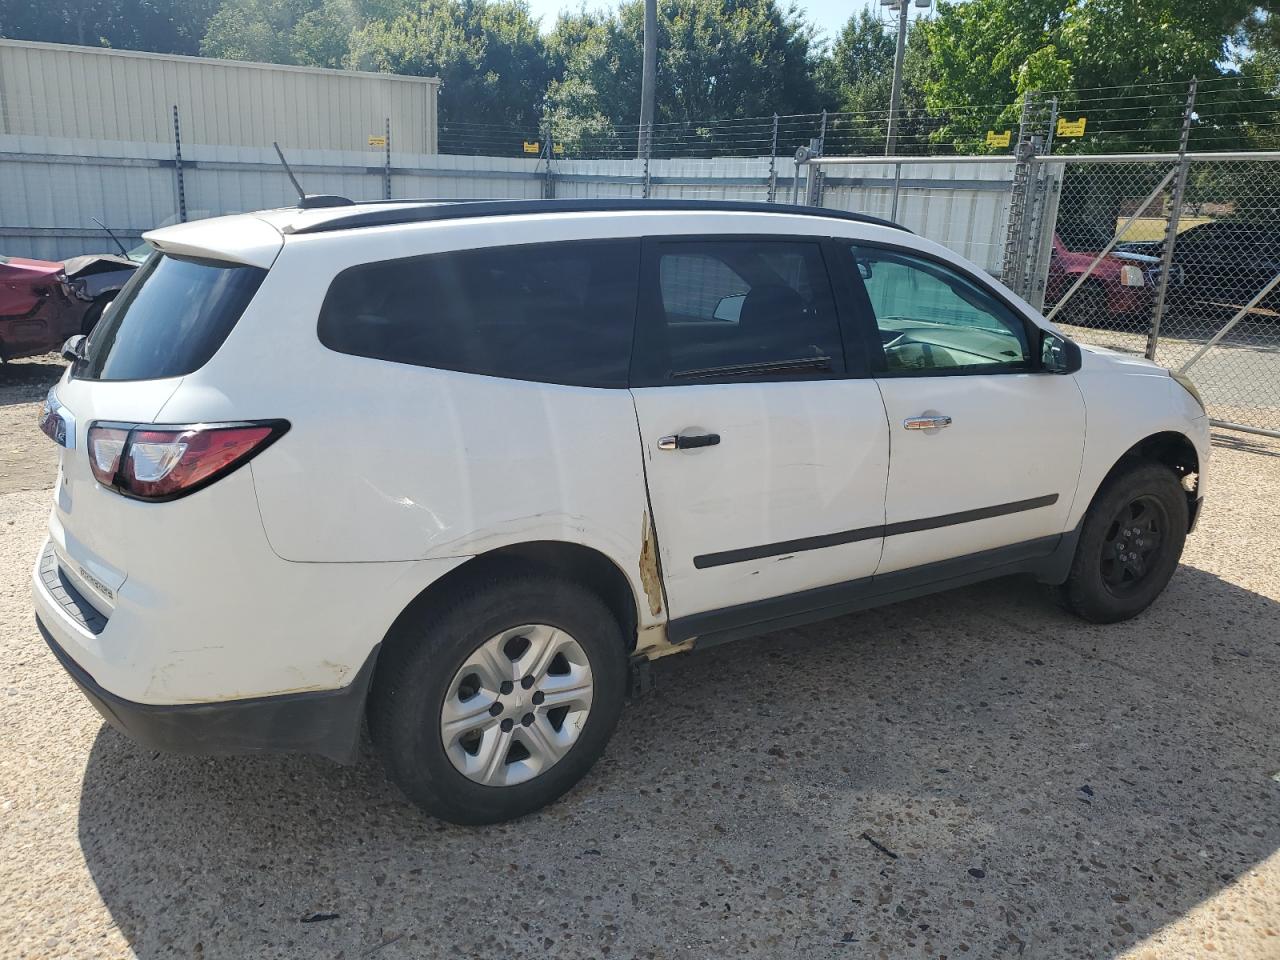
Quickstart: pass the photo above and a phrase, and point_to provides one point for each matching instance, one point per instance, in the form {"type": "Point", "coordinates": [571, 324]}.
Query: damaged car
{"type": "Point", "coordinates": [43, 302]}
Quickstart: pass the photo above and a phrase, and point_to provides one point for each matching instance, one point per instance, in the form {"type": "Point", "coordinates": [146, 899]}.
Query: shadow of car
{"type": "Point", "coordinates": [1100, 789]}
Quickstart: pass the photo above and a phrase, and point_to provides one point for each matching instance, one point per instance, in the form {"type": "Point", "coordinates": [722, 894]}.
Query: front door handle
{"type": "Point", "coordinates": [677, 441]}
{"type": "Point", "coordinates": [926, 423]}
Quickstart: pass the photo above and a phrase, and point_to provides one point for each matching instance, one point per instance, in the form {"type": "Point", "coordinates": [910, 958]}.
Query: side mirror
{"type": "Point", "coordinates": [1058, 354]}
{"type": "Point", "coordinates": [73, 349]}
{"type": "Point", "coordinates": [864, 269]}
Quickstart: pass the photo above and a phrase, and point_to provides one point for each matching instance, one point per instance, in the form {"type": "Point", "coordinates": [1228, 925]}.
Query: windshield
{"type": "Point", "coordinates": [140, 253]}
{"type": "Point", "coordinates": [169, 319]}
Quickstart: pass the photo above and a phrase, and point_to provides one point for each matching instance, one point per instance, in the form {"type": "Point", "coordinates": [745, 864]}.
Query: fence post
{"type": "Point", "coordinates": [1171, 228]}
{"type": "Point", "coordinates": [1041, 216]}
{"type": "Point", "coordinates": [773, 163]}
{"type": "Point", "coordinates": [648, 150]}
{"type": "Point", "coordinates": [815, 173]}
{"type": "Point", "coordinates": [801, 159]}
{"type": "Point", "coordinates": [548, 176]}
{"type": "Point", "coordinates": [386, 163]}
{"type": "Point", "coordinates": [177, 167]}
{"type": "Point", "coordinates": [897, 187]}
{"type": "Point", "coordinates": [1009, 269]}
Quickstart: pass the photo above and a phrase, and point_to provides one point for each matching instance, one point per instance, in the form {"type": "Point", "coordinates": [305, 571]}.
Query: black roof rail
{"type": "Point", "coordinates": [427, 211]}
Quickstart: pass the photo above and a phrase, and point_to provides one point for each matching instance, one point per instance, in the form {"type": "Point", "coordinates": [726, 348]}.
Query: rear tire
{"type": "Point", "coordinates": [440, 660]}
{"type": "Point", "coordinates": [1130, 544]}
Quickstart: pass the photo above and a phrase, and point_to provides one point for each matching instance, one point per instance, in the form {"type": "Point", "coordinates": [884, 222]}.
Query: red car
{"type": "Point", "coordinates": [1120, 287]}
{"type": "Point", "coordinates": [36, 315]}
{"type": "Point", "coordinates": [42, 302]}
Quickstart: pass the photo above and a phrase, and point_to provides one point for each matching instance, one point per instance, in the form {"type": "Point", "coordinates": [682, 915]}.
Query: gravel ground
{"type": "Point", "coordinates": [971, 775]}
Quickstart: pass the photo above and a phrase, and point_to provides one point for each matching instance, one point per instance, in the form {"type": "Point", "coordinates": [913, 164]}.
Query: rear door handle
{"type": "Point", "coordinates": [926, 423]}
{"type": "Point", "coordinates": [676, 441]}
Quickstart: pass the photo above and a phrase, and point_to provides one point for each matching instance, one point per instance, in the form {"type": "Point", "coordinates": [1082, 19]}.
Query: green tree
{"type": "Point", "coordinates": [717, 60]}
{"type": "Point", "coordinates": [857, 72]}
{"type": "Point", "coordinates": [1121, 63]}
{"type": "Point", "coordinates": [160, 26]}
{"type": "Point", "coordinates": [489, 55]}
{"type": "Point", "coordinates": [309, 32]}
{"type": "Point", "coordinates": [856, 80]}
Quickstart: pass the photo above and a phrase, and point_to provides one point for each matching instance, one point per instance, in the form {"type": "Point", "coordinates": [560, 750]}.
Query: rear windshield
{"type": "Point", "coordinates": [169, 319]}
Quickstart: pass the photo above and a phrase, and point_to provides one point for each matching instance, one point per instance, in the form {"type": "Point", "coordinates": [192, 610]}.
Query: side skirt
{"type": "Point", "coordinates": [1048, 558]}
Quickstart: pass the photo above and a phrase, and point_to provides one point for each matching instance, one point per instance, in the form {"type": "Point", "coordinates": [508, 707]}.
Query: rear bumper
{"type": "Point", "coordinates": [325, 722]}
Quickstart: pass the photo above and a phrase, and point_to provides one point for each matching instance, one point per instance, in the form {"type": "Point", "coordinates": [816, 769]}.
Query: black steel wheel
{"type": "Point", "coordinates": [1130, 542]}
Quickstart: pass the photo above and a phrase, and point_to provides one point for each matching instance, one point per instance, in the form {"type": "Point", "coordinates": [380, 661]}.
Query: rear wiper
{"type": "Point", "coordinates": [754, 369]}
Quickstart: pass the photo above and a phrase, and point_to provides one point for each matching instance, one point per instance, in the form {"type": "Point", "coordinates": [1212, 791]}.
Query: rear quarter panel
{"type": "Point", "coordinates": [394, 462]}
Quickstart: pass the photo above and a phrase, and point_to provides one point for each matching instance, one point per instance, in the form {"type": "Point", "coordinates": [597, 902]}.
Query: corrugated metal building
{"type": "Point", "coordinates": [56, 90]}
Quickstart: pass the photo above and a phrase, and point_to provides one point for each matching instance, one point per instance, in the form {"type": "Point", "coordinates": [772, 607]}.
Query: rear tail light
{"type": "Point", "coordinates": [106, 444]}
{"type": "Point", "coordinates": [164, 463]}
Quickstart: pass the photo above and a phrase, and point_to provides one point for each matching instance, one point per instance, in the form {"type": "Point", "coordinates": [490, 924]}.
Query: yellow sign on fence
{"type": "Point", "coordinates": [377, 141]}
{"type": "Point", "coordinates": [999, 139]}
{"type": "Point", "coordinates": [1071, 128]}
{"type": "Point", "coordinates": [534, 147]}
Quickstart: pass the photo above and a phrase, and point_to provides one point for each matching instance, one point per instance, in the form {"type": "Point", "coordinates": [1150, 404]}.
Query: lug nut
{"type": "Point", "coordinates": [506, 687]}
{"type": "Point", "coordinates": [495, 708]}
{"type": "Point", "coordinates": [507, 724]}
{"type": "Point", "coordinates": [527, 719]}
{"type": "Point", "coordinates": [527, 682]}
{"type": "Point", "coordinates": [539, 696]}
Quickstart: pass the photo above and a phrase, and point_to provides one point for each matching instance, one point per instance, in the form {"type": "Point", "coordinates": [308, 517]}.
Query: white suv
{"type": "Point", "coordinates": [463, 467]}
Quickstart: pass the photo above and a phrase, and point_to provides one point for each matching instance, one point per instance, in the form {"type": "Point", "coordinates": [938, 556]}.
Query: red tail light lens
{"type": "Point", "coordinates": [164, 463]}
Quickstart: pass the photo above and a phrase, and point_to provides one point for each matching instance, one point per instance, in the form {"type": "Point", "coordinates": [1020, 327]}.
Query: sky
{"type": "Point", "coordinates": [828, 15]}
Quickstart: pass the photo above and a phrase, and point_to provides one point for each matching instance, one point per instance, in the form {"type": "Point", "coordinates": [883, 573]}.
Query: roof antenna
{"type": "Point", "coordinates": [123, 251]}
{"type": "Point", "coordinates": [308, 201]}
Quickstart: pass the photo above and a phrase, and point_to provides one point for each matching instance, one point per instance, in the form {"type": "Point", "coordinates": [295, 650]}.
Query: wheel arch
{"type": "Point", "coordinates": [1168, 448]}
{"type": "Point", "coordinates": [581, 564]}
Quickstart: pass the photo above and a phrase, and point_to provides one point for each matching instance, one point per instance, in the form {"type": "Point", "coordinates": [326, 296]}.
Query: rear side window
{"type": "Point", "coordinates": [169, 319]}
{"type": "Point", "coordinates": [737, 310]}
{"type": "Point", "coordinates": [553, 313]}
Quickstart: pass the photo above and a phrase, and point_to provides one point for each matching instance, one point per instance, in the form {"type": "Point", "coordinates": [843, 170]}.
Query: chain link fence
{"type": "Point", "coordinates": [1173, 257]}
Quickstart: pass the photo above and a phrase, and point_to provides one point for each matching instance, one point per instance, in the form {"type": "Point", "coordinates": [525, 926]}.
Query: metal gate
{"type": "Point", "coordinates": [1172, 256]}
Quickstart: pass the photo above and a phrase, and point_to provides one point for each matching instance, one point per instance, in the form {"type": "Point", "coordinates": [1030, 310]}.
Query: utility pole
{"type": "Point", "coordinates": [895, 95]}
{"type": "Point", "coordinates": [648, 79]}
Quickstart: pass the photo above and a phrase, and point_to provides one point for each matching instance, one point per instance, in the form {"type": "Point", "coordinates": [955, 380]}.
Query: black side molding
{"type": "Point", "coordinates": [1048, 558]}
{"type": "Point", "coordinates": [705, 560]}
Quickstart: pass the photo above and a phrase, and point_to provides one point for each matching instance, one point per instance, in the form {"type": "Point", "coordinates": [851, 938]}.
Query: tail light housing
{"type": "Point", "coordinates": [158, 463]}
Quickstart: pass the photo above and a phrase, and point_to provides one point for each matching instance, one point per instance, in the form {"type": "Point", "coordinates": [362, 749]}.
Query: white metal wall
{"type": "Point", "coordinates": [963, 206]}
{"type": "Point", "coordinates": [58, 90]}
{"type": "Point", "coordinates": [52, 187]}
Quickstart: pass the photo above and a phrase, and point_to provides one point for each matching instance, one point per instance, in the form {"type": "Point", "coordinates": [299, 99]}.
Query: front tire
{"type": "Point", "coordinates": [1088, 306]}
{"type": "Point", "coordinates": [1129, 546]}
{"type": "Point", "coordinates": [497, 702]}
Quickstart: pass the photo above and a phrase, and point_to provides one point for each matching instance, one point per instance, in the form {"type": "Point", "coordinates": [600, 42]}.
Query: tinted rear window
{"type": "Point", "coordinates": [554, 313]}
{"type": "Point", "coordinates": [169, 319]}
